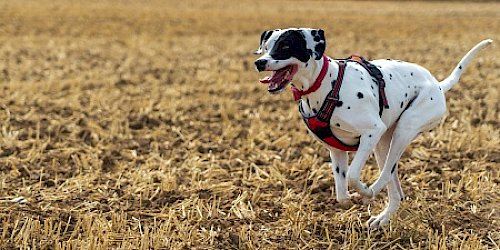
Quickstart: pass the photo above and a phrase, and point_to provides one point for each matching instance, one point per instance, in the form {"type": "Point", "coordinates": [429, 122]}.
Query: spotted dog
{"type": "Point", "coordinates": [363, 113]}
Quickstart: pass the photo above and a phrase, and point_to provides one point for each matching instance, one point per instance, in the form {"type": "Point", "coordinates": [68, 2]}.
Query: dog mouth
{"type": "Point", "coordinates": [280, 78]}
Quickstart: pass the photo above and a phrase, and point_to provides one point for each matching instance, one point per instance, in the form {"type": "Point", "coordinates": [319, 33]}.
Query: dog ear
{"type": "Point", "coordinates": [318, 36]}
{"type": "Point", "coordinates": [263, 39]}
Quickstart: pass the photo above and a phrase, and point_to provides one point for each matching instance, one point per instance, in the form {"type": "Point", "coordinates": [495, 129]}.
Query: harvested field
{"type": "Point", "coordinates": [142, 125]}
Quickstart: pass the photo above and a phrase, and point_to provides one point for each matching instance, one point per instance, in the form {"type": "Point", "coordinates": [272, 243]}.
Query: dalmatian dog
{"type": "Point", "coordinates": [416, 103]}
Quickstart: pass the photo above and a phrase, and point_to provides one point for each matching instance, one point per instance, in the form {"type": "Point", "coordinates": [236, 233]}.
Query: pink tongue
{"type": "Point", "coordinates": [276, 77]}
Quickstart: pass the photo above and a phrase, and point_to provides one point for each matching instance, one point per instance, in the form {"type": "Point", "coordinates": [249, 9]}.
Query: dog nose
{"type": "Point", "coordinates": [261, 64]}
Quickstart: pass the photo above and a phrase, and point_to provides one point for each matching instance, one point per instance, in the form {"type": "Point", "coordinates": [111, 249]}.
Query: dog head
{"type": "Point", "coordinates": [286, 52]}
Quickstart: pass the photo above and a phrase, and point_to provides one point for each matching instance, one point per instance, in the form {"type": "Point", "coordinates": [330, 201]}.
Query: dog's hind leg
{"type": "Point", "coordinates": [339, 167]}
{"type": "Point", "coordinates": [394, 187]}
{"type": "Point", "coordinates": [424, 113]}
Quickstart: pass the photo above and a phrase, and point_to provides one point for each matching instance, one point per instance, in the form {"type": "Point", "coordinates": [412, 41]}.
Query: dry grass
{"type": "Point", "coordinates": [142, 125]}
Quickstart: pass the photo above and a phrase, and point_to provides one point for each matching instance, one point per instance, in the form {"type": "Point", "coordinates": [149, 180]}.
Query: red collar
{"type": "Point", "coordinates": [297, 93]}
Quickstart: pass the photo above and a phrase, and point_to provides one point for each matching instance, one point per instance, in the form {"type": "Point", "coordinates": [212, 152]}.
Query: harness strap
{"type": "Point", "coordinates": [377, 74]}
{"type": "Point", "coordinates": [326, 111]}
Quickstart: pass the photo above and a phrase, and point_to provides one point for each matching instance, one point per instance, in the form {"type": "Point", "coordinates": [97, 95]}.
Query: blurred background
{"type": "Point", "coordinates": [141, 124]}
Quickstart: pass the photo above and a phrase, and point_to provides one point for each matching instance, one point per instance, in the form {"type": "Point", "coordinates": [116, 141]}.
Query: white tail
{"type": "Point", "coordinates": [451, 80]}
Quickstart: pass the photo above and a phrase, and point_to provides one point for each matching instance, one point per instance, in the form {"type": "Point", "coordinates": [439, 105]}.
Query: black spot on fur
{"type": "Point", "coordinates": [330, 74]}
{"type": "Point", "coordinates": [315, 111]}
{"type": "Point", "coordinates": [393, 168]}
{"type": "Point", "coordinates": [307, 101]}
{"type": "Point", "coordinates": [337, 169]}
{"type": "Point", "coordinates": [337, 124]}
{"type": "Point", "coordinates": [343, 174]}
{"type": "Point", "coordinates": [348, 107]}
{"type": "Point", "coordinates": [361, 78]}
{"type": "Point", "coordinates": [370, 136]}
{"type": "Point", "coordinates": [401, 105]}
{"type": "Point", "coordinates": [411, 73]}
{"type": "Point", "coordinates": [431, 99]}
{"type": "Point", "coordinates": [408, 86]}
{"type": "Point", "coordinates": [290, 43]}
{"type": "Point", "coordinates": [307, 64]}
{"type": "Point", "coordinates": [460, 67]}
{"type": "Point", "coordinates": [339, 104]}
{"type": "Point", "coordinates": [320, 49]}
{"type": "Point", "coordinates": [360, 95]}
{"type": "Point", "coordinates": [406, 94]}
{"type": "Point", "coordinates": [321, 33]}
{"type": "Point", "coordinates": [372, 87]}
{"type": "Point", "coordinates": [390, 75]}
{"type": "Point", "coordinates": [309, 52]}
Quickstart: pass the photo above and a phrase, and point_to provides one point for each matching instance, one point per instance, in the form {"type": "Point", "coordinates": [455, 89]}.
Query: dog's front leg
{"type": "Point", "coordinates": [368, 140]}
{"type": "Point", "coordinates": [339, 167]}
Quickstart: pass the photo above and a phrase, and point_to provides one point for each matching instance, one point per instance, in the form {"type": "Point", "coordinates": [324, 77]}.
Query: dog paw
{"type": "Point", "coordinates": [362, 188]}
{"type": "Point", "coordinates": [378, 221]}
{"type": "Point", "coordinates": [366, 192]}
{"type": "Point", "coordinates": [357, 199]}
{"type": "Point", "coordinates": [354, 199]}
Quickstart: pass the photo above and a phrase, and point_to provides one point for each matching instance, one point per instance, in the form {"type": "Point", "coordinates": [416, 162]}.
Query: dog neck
{"type": "Point", "coordinates": [308, 75]}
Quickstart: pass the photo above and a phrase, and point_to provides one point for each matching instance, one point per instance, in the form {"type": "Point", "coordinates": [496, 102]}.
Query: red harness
{"type": "Point", "coordinates": [319, 124]}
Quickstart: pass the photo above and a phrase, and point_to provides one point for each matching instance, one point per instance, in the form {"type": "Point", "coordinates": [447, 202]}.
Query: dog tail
{"type": "Point", "coordinates": [451, 80]}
